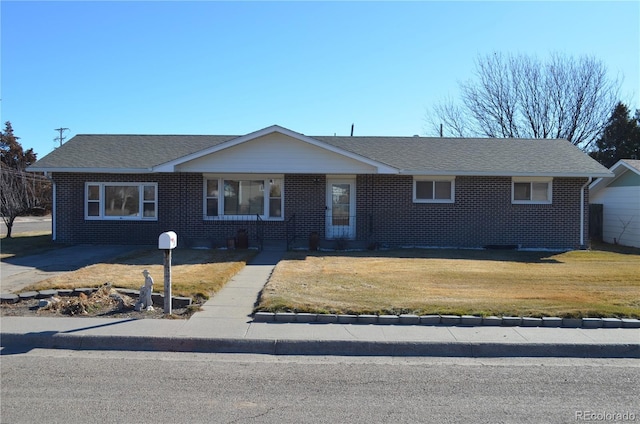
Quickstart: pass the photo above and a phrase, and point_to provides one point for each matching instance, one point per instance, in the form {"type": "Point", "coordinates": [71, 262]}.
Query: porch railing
{"type": "Point", "coordinates": [260, 232]}
{"type": "Point", "coordinates": [290, 231]}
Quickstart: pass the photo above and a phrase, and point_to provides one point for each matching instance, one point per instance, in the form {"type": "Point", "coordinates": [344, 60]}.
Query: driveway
{"type": "Point", "coordinates": [17, 273]}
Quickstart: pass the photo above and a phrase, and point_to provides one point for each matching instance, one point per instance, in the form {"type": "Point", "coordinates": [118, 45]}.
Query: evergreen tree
{"type": "Point", "coordinates": [20, 191]}
{"type": "Point", "coordinates": [11, 152]}
{"type": "Point", "coordinates": [620, 138]}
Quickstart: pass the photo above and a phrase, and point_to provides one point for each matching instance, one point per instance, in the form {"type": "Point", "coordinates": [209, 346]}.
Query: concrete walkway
{"type": "Point", "coordinates": [225, 325]}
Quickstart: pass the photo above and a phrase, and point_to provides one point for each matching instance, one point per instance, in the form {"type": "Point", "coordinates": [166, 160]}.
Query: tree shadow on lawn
{"type": "Point", "coordinates": [21, 245]}
{"type": "Point", "coordinates": [615, 248]}
{"type": "Point", "coordinates": [71, 257]}
{"type": "Point", "coordinates": [502, 255]}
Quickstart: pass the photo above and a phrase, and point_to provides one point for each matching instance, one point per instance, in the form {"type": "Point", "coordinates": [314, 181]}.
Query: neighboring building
{"type": "Point", "coordinates": [620, 200]}
{"type": "Point", "coordinates": [279, 184]}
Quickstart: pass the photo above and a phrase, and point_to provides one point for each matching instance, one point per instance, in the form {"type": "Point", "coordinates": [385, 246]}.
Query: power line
{"type": "Point", "coordinates": [60, 139]}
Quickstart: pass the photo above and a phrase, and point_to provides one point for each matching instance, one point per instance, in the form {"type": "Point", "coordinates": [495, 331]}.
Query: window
{"type": "Point", "coordinates": [434, 189]}
{"type": "Point", "coordinates": [131, 201]}
{"type": "Point", "coordinates": [243, 197]}
{"type": "Point", "coordinates": [531, 190]}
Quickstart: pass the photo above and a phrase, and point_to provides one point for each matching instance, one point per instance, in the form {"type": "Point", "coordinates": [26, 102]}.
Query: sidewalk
{"type": "Point", "coordinates": [225, 325]}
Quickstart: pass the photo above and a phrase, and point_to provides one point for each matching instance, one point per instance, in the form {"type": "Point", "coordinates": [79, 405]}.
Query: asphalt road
{"type": "Point", "coordinates": [141, 387]}
{"type": "Point", "coordinates": [24, 224]}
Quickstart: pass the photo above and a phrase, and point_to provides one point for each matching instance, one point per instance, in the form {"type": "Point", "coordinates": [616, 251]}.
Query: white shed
{"type": "Point", "coordinates": [620, 197]}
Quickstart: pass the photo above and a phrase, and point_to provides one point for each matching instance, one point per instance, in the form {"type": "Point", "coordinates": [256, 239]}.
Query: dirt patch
{"type": "Point", "coordinates": [106, 302]}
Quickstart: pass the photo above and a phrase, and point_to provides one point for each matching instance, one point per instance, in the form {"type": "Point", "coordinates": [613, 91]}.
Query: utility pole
{"type": "Point", "coordinates": [60, 139]}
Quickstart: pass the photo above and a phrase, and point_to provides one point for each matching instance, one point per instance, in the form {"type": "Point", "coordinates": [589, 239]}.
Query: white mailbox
{"type": "Point", "coordinates": [168, 240]}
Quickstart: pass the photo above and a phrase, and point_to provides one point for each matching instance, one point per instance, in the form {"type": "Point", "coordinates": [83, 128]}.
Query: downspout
{"type": "Point", "coordinates": [582, 245]}
{"type": "Point", "coordinates": [53, 206]}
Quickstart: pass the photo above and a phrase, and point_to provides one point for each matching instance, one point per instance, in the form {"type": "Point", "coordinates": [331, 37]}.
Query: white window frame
{"type": "Point", "coordinates": [433, 180]}
{"type": "Point", "coordinates": [531, 181]}
{"type": "Point", "coordinates": [266, 179]}
{"type": "Point", "coordinates": [101, 202]}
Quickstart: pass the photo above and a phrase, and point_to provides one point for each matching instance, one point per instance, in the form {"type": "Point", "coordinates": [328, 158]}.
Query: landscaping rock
{"type": "Point", "coordinates": [347, 319]}
{"type": "Point", "coordinates": [367, 319]}
{"type": "Point", "coordinates": [450, 319]}
{"type": "Point", "coordinates": [65, 292]}
{"type": "Point", "coordinates": [306, 317]}
{"type": "Point", "coordinates": [551, 322]}
{"type": "Point", "coordinates": [611, 323]}
{"type": "Point", "coordinates": [285, 317]}
{"type": "Point", "coordinates": [28, 295]}
{"type": "Point", "coordinates": [531, 322]}
{"type": "Point", "coordinates": [264, 317]}
{"type": "Point", "coordinates": [630, 323]}
{"type": "Point", "coordinates": [43, 294]}
{"type": "Point", "coordinates": [492, 321]}
{"type": "Point", "coordinates": [389, 319]}
{"type": "Point", "coordinates": [409, 319]}
{"type": "Point", "coordinates": [327, 318]}
{"type": "Point", "coordinates": [591, 322]}
{"type": "Point", "coordinates": [9, 298]}
{"type": "Point", "coordinates": [180, 302]}
{"type": "Point", "coordinates": [430, 319]}
{"type": "Point", "coordinates": [511, 321]}
{"type": "Point", "coordinates": [572, 322]}
{"type": "Point", "coordinates": [85, 290]}
{"type": "Point", "coordinates": [470, 320]}
{"type": "Point", "coordinates": [157, 299]}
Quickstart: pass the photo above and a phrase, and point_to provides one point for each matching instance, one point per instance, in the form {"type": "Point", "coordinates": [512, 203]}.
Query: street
{"type": "Point", "coordinates": [138, 387]}
{"type": "Point", "coordinates": [25, 224]}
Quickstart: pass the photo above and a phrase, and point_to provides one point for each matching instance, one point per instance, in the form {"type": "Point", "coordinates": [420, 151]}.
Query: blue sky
{"type": "Point", "coordinates": [210, 67]}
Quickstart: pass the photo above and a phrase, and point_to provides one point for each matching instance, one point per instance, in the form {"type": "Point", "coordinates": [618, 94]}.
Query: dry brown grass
{"type": "Point", "coordinates": [594, 283]}
{"type": "Point", "coordinates": [194, 273]}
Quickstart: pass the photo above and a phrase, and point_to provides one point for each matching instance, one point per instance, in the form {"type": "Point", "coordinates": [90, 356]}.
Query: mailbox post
{"type": "Point", "coordinates": [167, 242]}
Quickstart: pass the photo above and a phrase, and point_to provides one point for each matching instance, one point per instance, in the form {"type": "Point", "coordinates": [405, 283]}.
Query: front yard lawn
{"type": "Point", "coordinates": [593, 283]}
{"type": "Point", "coordinates": [194, 273]}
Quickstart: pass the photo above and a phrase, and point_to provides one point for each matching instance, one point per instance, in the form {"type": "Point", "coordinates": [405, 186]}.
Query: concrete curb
{"type": "Point", "coordinates": [16, 343]}
{"type": "Point", "coordinates": [448, 320]}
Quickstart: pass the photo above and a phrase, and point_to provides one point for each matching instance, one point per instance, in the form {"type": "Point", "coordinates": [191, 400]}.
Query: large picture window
{"type": "Point", "coordinates": [133, 201]}
{"type": "Point", "coordinates": [243, 197]}
{"type": "Point", "coordinates": [434, 189]}
{"type": "Point", "coordinates": [531, 190]}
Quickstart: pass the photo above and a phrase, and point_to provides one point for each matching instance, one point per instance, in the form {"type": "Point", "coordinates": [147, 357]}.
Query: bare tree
{"type": "Point", "coordinates": [20, 191]}
{"type": "Point", "coordinates": [522, 96]}
{"type": "Point", "coordinates": [17, 195]}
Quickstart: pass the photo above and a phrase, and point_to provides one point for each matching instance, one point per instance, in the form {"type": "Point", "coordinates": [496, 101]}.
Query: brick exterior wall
{"type": "Point", "coordinates": [481, 215]}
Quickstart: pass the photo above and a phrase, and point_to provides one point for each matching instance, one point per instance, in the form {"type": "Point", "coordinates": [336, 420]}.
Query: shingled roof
{"type": "Point", "coordinates": [408, 155]}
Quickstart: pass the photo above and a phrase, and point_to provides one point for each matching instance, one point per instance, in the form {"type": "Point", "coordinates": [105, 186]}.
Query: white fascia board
{"type": "Point", "coordinates": [170, 166]}
{"type": "Point", "coordinates": [624, 164]}
{"type": "Point", "coordinates": [615, 173]}
{"type": "Point", "coordinates": [507, 174]}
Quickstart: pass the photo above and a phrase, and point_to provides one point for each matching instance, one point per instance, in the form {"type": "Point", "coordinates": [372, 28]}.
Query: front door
{"type": "Point", "coordinates": [341, 207]}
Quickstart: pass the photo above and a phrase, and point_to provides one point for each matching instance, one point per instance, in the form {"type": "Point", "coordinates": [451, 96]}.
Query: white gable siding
{"type": "Point", "coordinates": [276, 153]}
{"type": "Point", "coordinates": [621, 206]}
